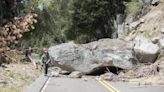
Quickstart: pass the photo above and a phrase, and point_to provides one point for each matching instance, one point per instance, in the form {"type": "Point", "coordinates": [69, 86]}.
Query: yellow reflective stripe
{"type": "Point", "coordinates": [116, 90]}
{"type": "Point", "coordinates": [106, 86]}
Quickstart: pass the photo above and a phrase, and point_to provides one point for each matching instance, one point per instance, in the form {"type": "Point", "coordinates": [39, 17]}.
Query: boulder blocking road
{"type": "Point", "coordinates": [52, 84]}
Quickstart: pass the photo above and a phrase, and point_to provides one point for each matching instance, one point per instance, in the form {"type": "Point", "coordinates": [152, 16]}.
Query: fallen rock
{"type": "Point", "coordinates": [155, 2]}
{"type": "Point", "coordinates": [87, 57]}
{"type": "Point", "coordinates": [155, 40]}
{"type": "Point", "coordinates": [162, 30]}
{"type": "Point", "coordinates": [109, 76]}
{"type": "Point", "coordinates": [55, 71]}
{"type": "Point", "coordinates": [55, 74]}
{"type": "Point", "coordinates": [145, 50]}
{"type": "Point", "coordinates": [58, 69]}
{"type": "Point", "coordinates": [84, 78]}
{"type": "Point", "coordinates": [64, 72]}
{"type": "Point", "coordinates": [76, 74]}
{"type": "Point", "coordinates": [121, 75]}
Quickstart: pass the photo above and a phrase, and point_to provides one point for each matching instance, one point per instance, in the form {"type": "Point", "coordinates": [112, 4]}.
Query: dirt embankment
{"type": "Point", "coordinates": [15, 77]}
{"type": "Point", "coordinates": [152, 74]}
{"type": "Point", "coordinates": [151, 26]}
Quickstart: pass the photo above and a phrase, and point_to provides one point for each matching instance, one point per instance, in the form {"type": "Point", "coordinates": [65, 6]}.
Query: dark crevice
{"type": "Point", "coordinates": [102, 70]}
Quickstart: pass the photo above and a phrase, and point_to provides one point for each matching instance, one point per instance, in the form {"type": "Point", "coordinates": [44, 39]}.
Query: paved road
{"type": "Point", "coordinates": [126, 87]}
{"type": "Point", "coordinates": [73, 85]}
{"type": "Point", "coordinates": [91, 85]}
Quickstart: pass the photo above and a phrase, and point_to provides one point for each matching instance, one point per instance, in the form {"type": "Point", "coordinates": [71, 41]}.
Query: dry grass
{"type": "Point", "coordinates": [9, 90]}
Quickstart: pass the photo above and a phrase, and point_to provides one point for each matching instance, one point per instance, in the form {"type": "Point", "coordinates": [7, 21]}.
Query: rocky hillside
{"type": "Point", "coordinates": [150, 25]}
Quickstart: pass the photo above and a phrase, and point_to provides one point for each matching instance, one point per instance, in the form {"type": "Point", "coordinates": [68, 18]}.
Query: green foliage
{"type": "Point", "coordinates": [79, 20]}
{"type": "Point", "coordinates": [8, 10]}
{"type": "Point", "coordinates": [132, 7]}
{"type": "Point", "coordinates": [48, 28]}
{"type": "Point", "coordinates": [10, 74]}
{"type": "Point", "coordinates": [148, 34]}
{"type": "Point", "coordinates": [94, 19]}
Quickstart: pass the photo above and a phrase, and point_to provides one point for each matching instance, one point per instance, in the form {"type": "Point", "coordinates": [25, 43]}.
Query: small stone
{"type": "Point", "coordinates": [155, 2]}
{"type": "Point", "coordinates": [7, 69]}
{"type": "Point", "coordinates": [142, 20]}
{"type": "Point", "coordinates": [85, 79]}
{"type": "Point", "coordinates": [108, 76]}
{"type": "Point", "coordinates": [162, 30]}
{"type": "Point", "coordinates": [76, 74]}
{"type": "Point", "coordinates": [56, 69]}
{"type": "Point", "coordinates": [142, 31]}
{"type": "Point", "coordinates": [155, 40]}
{"type": "Point", "coordinates": [64, 72]}
{"type": "Point", "coordinates": [4, 66]}
{"type": "Point", "coordinates": [55, 74]}
{"type": "Point", "coordinates": [121, 75]}
{"type": "Point", "coordinates": [98, 78]}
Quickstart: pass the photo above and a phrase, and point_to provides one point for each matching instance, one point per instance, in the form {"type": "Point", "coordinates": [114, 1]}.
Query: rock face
{"type": "Point", "coordinates": [145, 50]}
{"type": "Point", "coordinates": [87, 57]}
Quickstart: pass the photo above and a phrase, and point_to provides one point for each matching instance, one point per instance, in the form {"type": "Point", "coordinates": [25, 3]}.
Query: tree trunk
{"type": "Point", "coordinates": [120, 25]}
{"type": "Point", "coordinates": [1, 14]}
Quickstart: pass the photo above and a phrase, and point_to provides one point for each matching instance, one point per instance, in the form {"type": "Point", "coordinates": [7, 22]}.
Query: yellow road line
{"type": "Point", "coordinates": [108, 86]}
{"type": "Point", "coordinates": [116, 90]}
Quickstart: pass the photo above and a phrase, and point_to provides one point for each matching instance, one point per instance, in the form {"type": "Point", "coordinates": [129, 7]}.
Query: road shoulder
{"type": "Point", "coordinates": [37, 85]}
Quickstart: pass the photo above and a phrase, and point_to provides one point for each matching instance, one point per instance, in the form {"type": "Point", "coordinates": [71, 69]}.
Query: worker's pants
{"type": "Point", "coordinates": [45, 68]}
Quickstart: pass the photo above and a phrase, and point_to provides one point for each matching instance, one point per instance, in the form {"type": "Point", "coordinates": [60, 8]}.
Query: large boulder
{"type": "Point", "coordinates": [145, 50]}
{"type": "Point", "coordinates": [88, 57]}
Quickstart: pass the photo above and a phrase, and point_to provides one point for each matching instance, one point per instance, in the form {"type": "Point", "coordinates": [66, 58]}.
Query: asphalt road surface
{"type": "Point", "coordinates": [52, 84]}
